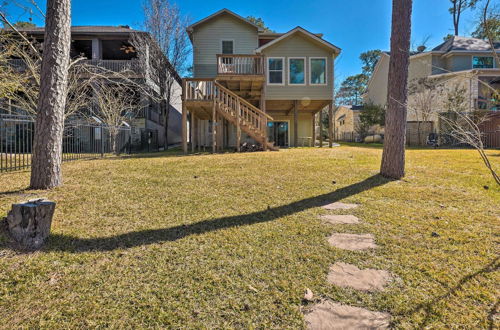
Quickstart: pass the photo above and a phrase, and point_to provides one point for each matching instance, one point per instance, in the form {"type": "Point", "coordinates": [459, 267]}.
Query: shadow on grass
{"type": "Point", "coordinates": [74, 244]}
{"type": "Point", "coordinates": [428, 306]}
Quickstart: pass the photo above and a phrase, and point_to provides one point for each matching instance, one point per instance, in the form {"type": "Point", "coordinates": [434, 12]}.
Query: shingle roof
{"type": "Point", "coordinates": [456, 43]}
{"type": "Point", "coordinates": [86, 29]}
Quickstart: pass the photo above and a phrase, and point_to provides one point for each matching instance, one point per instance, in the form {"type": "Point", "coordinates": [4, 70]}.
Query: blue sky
{"type": "Point", "coordinates": [353, 25]}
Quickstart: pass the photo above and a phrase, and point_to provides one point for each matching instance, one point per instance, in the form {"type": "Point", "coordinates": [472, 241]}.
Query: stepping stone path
{"type": "Point", "coordinates": [330, 315]}
{"type": "Point", "coordinates": [340, 219]}
{"type": "Point", "coordinates": [346, 275]}
{"type": "Point", "coordinates": [339, 206]}
{"type": "Point", "coordinates": [352, 242]}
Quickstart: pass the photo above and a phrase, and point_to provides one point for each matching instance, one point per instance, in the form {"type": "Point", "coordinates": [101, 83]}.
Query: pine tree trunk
{"type": "Point", "coordinates": [49, 125]}
{"type": "Point", "coordinates": [393, 157]}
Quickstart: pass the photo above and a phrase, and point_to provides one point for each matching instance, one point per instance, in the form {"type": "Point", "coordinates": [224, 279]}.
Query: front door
{"type": "Point", "coordinates": [277, 132]}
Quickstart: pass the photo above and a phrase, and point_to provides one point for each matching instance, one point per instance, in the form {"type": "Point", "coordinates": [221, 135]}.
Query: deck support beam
{"type": "Point", "coordinates": [295, 123]}
{"type": "Point", "coordinates": [238, 127]}
{"type": "Point", "coordinates": [214, 129]}
{"type": "Point", "coordinates": [194, 133]}
{"type": "Point", "coordinates": [320, 128]}
{"type": "Point", "coordinates": [184, 128]}
{"type": "Point", "coordinates": [313, 130]}
{"type": "Point", "coordinates": [262, 106]}
{"type": "Point", "coordinates": [330, 124]}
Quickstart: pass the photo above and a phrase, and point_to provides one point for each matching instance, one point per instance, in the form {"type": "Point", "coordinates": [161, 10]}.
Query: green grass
{"type": "Point", "coordinates": [233, 240]}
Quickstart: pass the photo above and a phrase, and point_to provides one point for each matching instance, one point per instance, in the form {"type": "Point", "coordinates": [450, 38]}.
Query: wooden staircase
{"type": "Point", "coordinates": [243, 115]}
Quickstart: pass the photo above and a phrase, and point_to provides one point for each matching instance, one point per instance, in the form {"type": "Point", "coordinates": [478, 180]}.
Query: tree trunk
{"type": "Point", "coordinates": [393, 157]}
{"type": "Point", "coordinates": [49, 125]}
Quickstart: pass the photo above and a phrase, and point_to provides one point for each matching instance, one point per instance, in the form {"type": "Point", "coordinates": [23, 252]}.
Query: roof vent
{"type": "Point", "coordinates": [124, 26]}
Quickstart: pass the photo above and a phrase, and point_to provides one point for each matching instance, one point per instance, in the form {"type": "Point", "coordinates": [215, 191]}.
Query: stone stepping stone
{"type": "Point", "coordinates": [346, 275]}
{"type": "Point", "coordinates": [353, 242]}
{"type": "Point", "coordinates": [340, 219]}
{"type": "Point", "coordinates": [340, 206]}
{"type": "Point", "coordinates": [330, 315]}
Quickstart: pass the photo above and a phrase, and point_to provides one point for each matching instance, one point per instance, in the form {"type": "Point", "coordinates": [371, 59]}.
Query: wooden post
{"type": "Point", "coordinates": [194, 133]}
{"type": "Point", "coordinates": [330, 125]}
{"type": "Point", "coordinates": [295, 123]}
{"type": "Point", "coordinates": [238, 127]}
{"type": "Point", "coordinates": [184, 128]}
{"type": "Point", "coordinates": [262, 105]}
{"type": "Point", "coordinates": [214, 129]}
{"type": "Point", "coordinates": [320, 128]}
{"type": "Point", "coordinates": [313, 129]}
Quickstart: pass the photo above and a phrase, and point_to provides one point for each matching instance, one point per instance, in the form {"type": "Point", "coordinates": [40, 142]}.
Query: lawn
{"type": "Point", "coordinates": [233, 240]}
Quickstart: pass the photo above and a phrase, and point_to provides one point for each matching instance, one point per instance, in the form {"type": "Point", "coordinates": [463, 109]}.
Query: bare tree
{"type": "Point", "coordinates": [422, 104]}
{"type": "Point", "coordinates": [393, 157]}
{"type": "Point", "coordinates": [457, 8]}
{"type": "Point", "coordinates": [464, 126]}
{"type": "Point", "coordinates": [116, 103]}
{"type": "Point", "coordinates": [167, 27]}
{"type": "Point", "coordinates": [49, 124]}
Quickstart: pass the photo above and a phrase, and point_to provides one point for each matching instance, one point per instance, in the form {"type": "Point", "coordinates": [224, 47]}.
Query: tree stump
{"type": "Point", "coordinates": [29, 222]}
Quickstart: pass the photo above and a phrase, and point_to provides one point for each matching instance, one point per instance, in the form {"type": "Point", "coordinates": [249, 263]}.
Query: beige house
{"type": "Point", "coordinates": [465, 62]}
{"type": "Point", "coordinates": [346, 121]}
{"type": "Point", "coordinates": [255, 86]}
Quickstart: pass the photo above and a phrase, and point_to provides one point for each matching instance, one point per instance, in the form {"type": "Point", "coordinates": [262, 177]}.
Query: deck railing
{"type": "Point", "coordinates": [231, 64]}
{"type": "Point", "coordinates": [198, 89]}
{"type": "Point", "coordinates": [111, 65]}
{"type": "Point", "coordinates": [243, 111]}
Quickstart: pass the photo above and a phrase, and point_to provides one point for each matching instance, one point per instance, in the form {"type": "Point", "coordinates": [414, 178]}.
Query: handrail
{"type": "Point", "coordinates": [198, 89]}
{"type": "Point", "coordinates": [240, 64]}
{"type": "Point", "coordinates": [242, 100]}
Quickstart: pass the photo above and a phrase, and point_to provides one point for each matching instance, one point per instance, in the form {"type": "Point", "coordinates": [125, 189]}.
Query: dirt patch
{"type": "Point", "coordinates": [330, 315]}
{"type": "Point", "coordinates": [340, 219]}
{"type": "Point", "coordinates": [353, 242]}
{"type": "Point", "coordinates": [347, 275]}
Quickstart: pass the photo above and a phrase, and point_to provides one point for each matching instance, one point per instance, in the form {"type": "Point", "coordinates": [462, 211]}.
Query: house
{"type": "Point", "coordinates": [110, 48]}
{"type": "Point", "coordinates": [346, 122]}
{"type": "Point", "coordinates": [459, 62]}
{"type": "Point", "coordinates": [254, 86]}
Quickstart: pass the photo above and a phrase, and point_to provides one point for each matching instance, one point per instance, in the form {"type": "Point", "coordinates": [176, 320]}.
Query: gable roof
{"type": "Point", "coordinates": [303, 31]}
{"type": "Point", "coordinates": [457, 43]}
{"type": "Point", "coordinates": [220, 12]}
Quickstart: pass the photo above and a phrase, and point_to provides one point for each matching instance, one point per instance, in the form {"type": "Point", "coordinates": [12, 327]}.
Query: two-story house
{"type": "Point", "coordinates": [251, 85]}
{"type": "Point", "coordinates": [110, 48]}
{"type": "Point", "coordinates": [464, 62]}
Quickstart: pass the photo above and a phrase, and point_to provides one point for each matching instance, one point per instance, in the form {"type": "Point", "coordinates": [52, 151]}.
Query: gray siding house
{"type": "Point", "coordinates": [109, 47]}
{"type": "Point", "coordinates": [465, 62]}
{"type": "Point", "coordinates": [254, 86]}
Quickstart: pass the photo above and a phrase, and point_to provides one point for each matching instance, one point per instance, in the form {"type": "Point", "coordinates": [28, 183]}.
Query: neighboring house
{"type": "Point", "coordinates": [459, 61]}
{"type": "Point", "coordinates": [255, 86]}
{"type": "Point", "coordinates": [346, 122]}
{"type": "Point", "coordinates": [110, 47]}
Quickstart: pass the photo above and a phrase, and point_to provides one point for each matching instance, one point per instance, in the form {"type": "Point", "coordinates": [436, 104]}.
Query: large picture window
{"type": "Point", "coordinates": [318, 71]}
{"type": "Point", "coordinates": [482, 62]}
{"type": "Point", "coordinates": [275, 67]}
{"type": "Point", "coordinates": [297, 71]}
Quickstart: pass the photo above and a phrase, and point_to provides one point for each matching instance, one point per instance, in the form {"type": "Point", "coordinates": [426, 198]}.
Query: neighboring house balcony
{"type": "Point", "coordinates": [130, 67]}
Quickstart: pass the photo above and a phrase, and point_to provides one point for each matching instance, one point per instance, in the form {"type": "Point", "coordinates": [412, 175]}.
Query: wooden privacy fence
{"type": "Point", "coordinates": [80, 140]}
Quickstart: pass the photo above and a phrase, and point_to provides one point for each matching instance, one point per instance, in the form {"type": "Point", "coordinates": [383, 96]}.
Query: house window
{"type": "Point", "coordinates": [318, 71]}
{"type": "Point", "coordinates": [227, 47]}
{"type": "Point", "coordinates": [482, 62]}
{"type": "Point", "coordinates": [275, 74]}
{"type": "Point", "coordinates": [297, 71]}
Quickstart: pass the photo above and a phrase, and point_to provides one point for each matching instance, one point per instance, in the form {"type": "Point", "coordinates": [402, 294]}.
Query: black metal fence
{"type": "Point", "coordinates": [81, 140]}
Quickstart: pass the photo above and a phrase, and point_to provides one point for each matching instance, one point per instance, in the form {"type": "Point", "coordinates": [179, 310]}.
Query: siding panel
{"type": "Point", "coordinates": [299, 46]}
{"type": "Point", "coordinates": [207, 42]}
